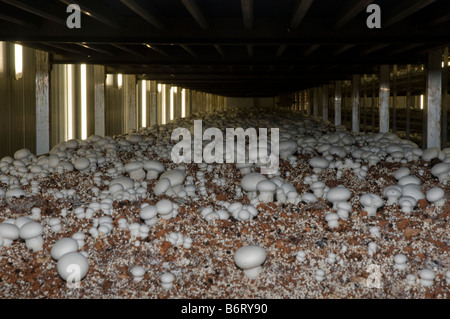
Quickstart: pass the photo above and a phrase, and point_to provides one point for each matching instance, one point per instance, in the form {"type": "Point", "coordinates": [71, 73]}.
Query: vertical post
{"type": "Point", "coordinates": [374, 102]}
{"type": "Point", "coordinates": [384, 98]}
{"type": "Point", "coordinates": [167, 104]}
{"type": "Point", "coordinates": [445, 100]}
{"type": "Point", "coordinates": [309, 101]}
{"type": "Point", "coordinates": [42, 103]}
{"type": "Point", "coordinates": [434, 98]}
{"type": "Point", "coordinates": [338, 103]}
{"type": "Point", "coordinates": [325, 103]}
{"type": "Point", "coordinates": [364, 102]}
{"type": "Point", "coordinates": [394, 98]}
{"type": "Point", "coordinates": [356, 81]}
{"type": "Point", "coordinates": [408, 101]}
{"type": "Point", "coordinates": [316, 102]}
{"type": "Point", "coordinates": [99, 100]}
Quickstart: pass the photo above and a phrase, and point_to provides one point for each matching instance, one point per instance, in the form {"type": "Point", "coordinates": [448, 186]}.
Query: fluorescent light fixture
{"type": "Point", "coordinates": [109, 79]}
{"type": "Point", "coordinates": [183, 102]}
{"type": "Point", "coordinates": [163, 104]}
{"type": "Point", "coordinates": [159, 87]}
{"type": "Point", "coordinates": [69, 133]}
{"type": "Point", "coordinates": [119, 80]}
{"type": "Point", "coordinates": [18, 60]}
{"type": "Point", "coordinates": [144, 103]}
{"type": "Point", "coordinates": [421, 102]}
{"type": "Point", "coordinates": [172, 98]}
{"type": "Point", "coordinates": [83, 102]}
{"type": "Point", "coordinates": [2, 62]}
{"type": "Point", "coordinates": [174, 89]}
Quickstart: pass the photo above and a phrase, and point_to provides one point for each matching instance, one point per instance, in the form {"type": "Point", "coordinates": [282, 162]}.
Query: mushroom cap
{"type": "Point", "coordinates": [338, 194]}
{"type": "Point", "coordinates": [81, 163]}
{"type": "Point", "coordinates": [22, 220]}
{"type": "Point", "coordinates": [435, 194]}
{"type": "Point", "coordinates": [63, 246]}
{"type": "Point", "coordinates": [22, 154]}
{"type": "Point", "coordinates": [317, 184]}
{"type": "Point", "coordinates": [126, 182]}
{"type": "Point", "coordinates": [440, 168]}
{"type": "Point", "coordinates": [250, 256]}
{"type": "Point", "coordinates": [371, 200]}
{"type": "Point", "coordinates": [400, 259]}
{"type": "Point", "coordinates": [393, 190]}
{"type": "Point", "coordinates": [344, 206]}
{"type": "Point", "coordinates": [176, 176]}
{"type": "Point", "coordinates": [407, 200]}
{"type": "Point", "coordinates": [31, 230]}
{"type": "Point", "coordinates": [250, 180]}
{"type": "Point", "coordinates": [153, 165]}
{"type": "Point", "coordinates": [319, 162]}
{"type": "Point", "coordinates": [137, 271]}
{"type": "Point", "coordinates": [9, 231]}
{"type": "Point", "coordinates": [427, 274]}
{"type": "Point", "coordinates": [414, 191]}
{"type": "Point", "coordinates": [133, 166]}
{"type": "Point", "coordinates": [161, 186]}
{"type": "Point", "coordinates": [266, 186]}
{"type": "Point", "coordinates": [134, 138]}
{"type": "Point", "coordinates": [401, 172]}
{"type": "Point", "coordinates": [66, 262]}
{"type": "Point", "coordinates": [164, 206]}
{"type": "Point", "coordinates": [408, 179]}
{"type": "Point", "coordinates": [15, 192]}
{"type": "Point", "coordinates": [167, 278]}
{"type": "Point", "coordinates": [148, 212]}
{"type": "Point", "coordinates": [332, 217]}
{"type": "Point", "coordinates": [430, 153]}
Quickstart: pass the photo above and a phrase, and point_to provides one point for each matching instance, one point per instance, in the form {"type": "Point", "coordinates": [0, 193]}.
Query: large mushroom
{"type": "Point", "coordinates": [249, 183]}
{"type": "Point", "coordinates": [250, 258]}
{"type": "Point", "coordinates": [338, 194]}
{"type": "Point", "coordinates": [153, 168]}
{"type": "Point", "coordinates": [371, 203]}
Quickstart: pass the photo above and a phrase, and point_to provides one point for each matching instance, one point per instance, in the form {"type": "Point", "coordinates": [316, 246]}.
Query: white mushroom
{"type": "Point", "coordinates": [332, 219]}
{"type": "Point", "coordinates": [436, 196]}
{"type": "Point", "coordinates": [72, 265]}
{"type": "Point", "coordinates": [250, 258]}
{"type": "Point", "coordinates": [338, 194]}
{"type": "Point", "coordinates": [317, 188]}
{"type": "Point", "coordinates": [82, 164]}
{"type": "Point", "coordinates": [343, 209]}
{"type": "Point", "coordinates": [167, 280]}
{"type": "Point", "coordinates": [32, 233]}
{"type": "Point", "coordinates": [149, 215]}
{"type": "Point", "coordinates": [153, 168]}
{"type": "Point", "coordinates": [164, 208]}
{"type": "Point", "coordinates": [9, 233]}
{"type": "Point", "coordinates": [400, 261]}
{"type": "Point", "coordinates": [249, 183]}
{"type": "Point", "coordinates": [244, 168]}
{"type": "Point", "coordinates": [392, 193]}
{"type": "Point", "coordinates": [318, 164]}
{"type": "Point", "coordinates": [138, 273]}
{"type": "Point", "coordinates": [427, 277]}
{"type": "Point", "coordinates": [176, 178]}
{"type": "Point", "coordinates": [63, 246]}
{"type": "Point", "coordinates": [441, 171]}
{"type": "Point", "coordinates": [407, 203]}
{"type": "Point", "coordinates": [266, 191]}
{"type": "Point", "coordinates": [371, 203]}
{"type": "Point", "coordinates": [135, 169]}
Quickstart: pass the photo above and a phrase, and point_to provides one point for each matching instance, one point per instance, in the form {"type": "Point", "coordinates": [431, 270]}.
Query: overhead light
{"type": "Point", "coordinates": [119, 80]}
{"type": "Point", "coordinates": [69, 133]}
{"type": "Point", "coordinates": [83, 102]}
{"type": "Point", "coordinates": [18, 61]}
{"type": "Point", "coordinates": [421, 102]}
{"type": "Point", "coordinates": [183, 102]}
{"type": "Point", "coordinates": [148, 45]}
{"type": "Point", "coordinates": [144, 103]}
{"type": "Point", "coordinates": [159, 87]}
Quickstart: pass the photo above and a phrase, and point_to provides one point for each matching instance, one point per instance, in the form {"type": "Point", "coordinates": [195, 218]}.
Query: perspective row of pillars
{"type": "Point", "coordinates": [430, 94]}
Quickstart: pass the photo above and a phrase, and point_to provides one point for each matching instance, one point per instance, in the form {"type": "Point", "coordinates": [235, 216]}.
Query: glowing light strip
{"type": "Point", "coordinates": [144, 103]}
{"type": "Point", "coordinates": [172, 98]}
{"type": "Point", "coordinates": [69, 133]}
{"type": "Point", "coordinates": [18, 60]}
{"type": "Point", "coordinates": [183, 102]}
{"type": "Point", "coordinates": [163, 104]}
{"type": "Point", "coordinates": [83, 102]}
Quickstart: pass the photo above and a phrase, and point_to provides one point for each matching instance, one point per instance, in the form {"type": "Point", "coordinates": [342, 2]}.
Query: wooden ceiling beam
{"type": "Point", "coordinates": [33, 10]}
{"type": "Point", "coordinates": [195, 12]}
{"type": "Point", "coordinates": [143, 13]}
{"type": "Point", "coordinates": [300, 10]}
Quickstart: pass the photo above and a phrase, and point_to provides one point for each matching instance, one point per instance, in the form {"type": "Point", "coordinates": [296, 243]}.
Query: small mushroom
{"type": "Point", "coordinates": [333, 220]}
{"type": "Point", "coordinates": [338, 194]}
{"type": "Point", "coordinates": [407, 203]}
{"type": "Point", "coordinates": [249, 183]}
{"type": "Point", "coordinates": [149, 214]}
{"type": "Point", "coordinates": [9, 233]}
{"type": "Point", "coordinates": [266, 191]}
{"type": "Point", "coordinates": [135, 169]}
{"type": "Point", "coordinates": [343, 209]}
{"type": "Point", "coordinates": [153, 168]}
{"type": "Point", "coordinates": [32, 233]}
{"type": "Point", "coordinates": [164, 208]}
{"type": "Point", "coordinates": [400, 261]}
{"type": "Point", "coordinates": [63, 246]}
{"type": "Point", "coordinates": [392, 193]}
{"type": "Point", "coordinates": [318, 164]}
{"type": "Point", "coordinates": [317, 188]}
{"type": "Point", "coordinates": [436, 196]}
{"type": "Point", "coordinates": [427, 277]}
{"type": "Point", "coordinates": [167, 279]}
{"type": "Point", "coordinates": [138, 273]}
{"type": "Point", "coordinates": [250, 258]}
{"type": "Point", "coordinates": [371, 203]}
{"type": "Point", "coordinates": [82, 164]}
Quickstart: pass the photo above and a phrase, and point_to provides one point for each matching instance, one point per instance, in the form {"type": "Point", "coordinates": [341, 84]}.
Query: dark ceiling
{"type": "Point", "coordinates": [232, 47]}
